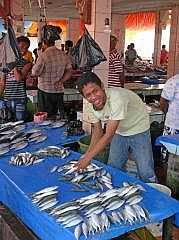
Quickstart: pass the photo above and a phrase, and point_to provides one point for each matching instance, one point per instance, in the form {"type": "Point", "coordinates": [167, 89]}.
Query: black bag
{"type": "Point", "coordinates": [51, 33]}
{"type": "Point", "coordinates": [86, 54]}
{"type": "Point", "coordinates": [10, 52]}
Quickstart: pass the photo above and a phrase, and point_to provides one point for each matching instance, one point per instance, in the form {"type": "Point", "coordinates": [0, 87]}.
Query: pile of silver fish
{"type": "Point", "coordinates": [45, 198]}
{"type": "Point", "coordinates": [12, 139]}
{"type": "Point", "coordinates": [26, 158]}
{"type": "Point", "coordinates": [93, 176]}
{"type": "Point", "coordinates": [53, 151]}
{"type": "Point", "coordinates": [96, 212]}
{"type": "Point", "coordinates": [56, 124]}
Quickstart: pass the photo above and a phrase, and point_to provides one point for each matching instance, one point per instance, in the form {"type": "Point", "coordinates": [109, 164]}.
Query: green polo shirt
{"type": "Point", "coordinates": [126, 106]}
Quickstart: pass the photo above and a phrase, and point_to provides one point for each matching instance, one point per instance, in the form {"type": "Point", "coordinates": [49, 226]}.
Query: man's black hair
{"type": "Point", "coordinates": [68, 43]}
{"type": "Point", "coordinates": [23, 39]}
{"type": "Point", "coordinates": [88, 77]}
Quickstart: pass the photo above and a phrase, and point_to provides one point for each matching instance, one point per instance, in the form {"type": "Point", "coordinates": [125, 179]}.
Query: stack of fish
{"type": "Point", "coordinates": [53, 151]}
{"type": "Point", "coordinates": [26, 159]}
{"type": "Point", "coordinates": [95, 213]}
{"type": "Point", "coordinates": [45, 198]}
{"type": "Point", "coordinates": [56, 124]}
{"type": "Point", "coordinates": [93, 176]}
{"type": "Point", "coordinates": [12, 139]}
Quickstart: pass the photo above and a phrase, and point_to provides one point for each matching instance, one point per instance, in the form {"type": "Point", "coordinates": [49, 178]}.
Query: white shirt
{"type": "Point", "coordinates": [171, 93]}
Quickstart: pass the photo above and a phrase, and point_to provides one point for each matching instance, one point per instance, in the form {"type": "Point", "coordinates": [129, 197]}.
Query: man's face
{"type": "Point", "coordinates": [95, 94]}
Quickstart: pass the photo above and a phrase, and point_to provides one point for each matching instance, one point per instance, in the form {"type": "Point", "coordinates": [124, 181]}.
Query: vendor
{"type": "Point", "coordinates": [127, 126]}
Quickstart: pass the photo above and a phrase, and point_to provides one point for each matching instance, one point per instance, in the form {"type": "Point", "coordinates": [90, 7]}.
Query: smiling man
{"type": "Point", "coordinates": [127, 126]}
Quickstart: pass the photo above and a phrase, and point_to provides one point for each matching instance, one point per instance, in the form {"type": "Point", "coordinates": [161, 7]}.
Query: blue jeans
{"type": "Point", "coordinates": [140, 147]}
{"type": "Point", "coordinates": [16, 109]}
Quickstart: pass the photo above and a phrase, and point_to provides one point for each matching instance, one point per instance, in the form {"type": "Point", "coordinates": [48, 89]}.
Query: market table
{"type": "Point", "coordinates": [171, 142]}
{"type": "Point", "coordinates": [17, 182]}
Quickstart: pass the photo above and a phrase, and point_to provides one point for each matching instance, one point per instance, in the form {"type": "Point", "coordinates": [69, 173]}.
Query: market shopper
{"type": "Point", "coordinates": [131, 54]}
{"type": "Point", "coordinates": [116, 68]}
{"type": "Point", "coordinates": [53, 68]}
{"type": "Point", "coordinates": [127, 126]}
{"type": "Point", "coordinates": [164, 56]}
{"type": "Point", "coordinates": [12, 84]}
{"type": "Point", "coordinates": [169, 104]}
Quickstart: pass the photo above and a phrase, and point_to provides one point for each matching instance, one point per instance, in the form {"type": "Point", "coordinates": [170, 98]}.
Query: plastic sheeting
{"type": "Point", "coordinates": [18, 182]}
{"type": "Point", "coordinates": [86, 54]}
{"type": "Point", "coordinates": [10, 52]}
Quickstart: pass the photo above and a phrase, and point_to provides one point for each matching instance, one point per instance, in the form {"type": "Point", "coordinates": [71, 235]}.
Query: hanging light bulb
{"type": "Point", "coordinates": [107, 27]}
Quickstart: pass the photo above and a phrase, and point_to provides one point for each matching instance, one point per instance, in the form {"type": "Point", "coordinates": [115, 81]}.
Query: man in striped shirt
{"type": "Point", "coordinates": [13, 87]}
{"type": "Point", "coordinates": [116, 68]}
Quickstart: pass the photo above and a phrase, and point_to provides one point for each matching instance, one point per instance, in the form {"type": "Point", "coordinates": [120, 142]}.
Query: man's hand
{"type": "Point", "coordinates": [82, 163]}
{"type": "Point", "coordinates": [58, 85]}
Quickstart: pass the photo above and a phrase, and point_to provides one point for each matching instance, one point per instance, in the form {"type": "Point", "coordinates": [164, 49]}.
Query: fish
{"type": "Point", "coordinates": [4, 150]}
{"type": "Point", "coordinates": [77, 232]}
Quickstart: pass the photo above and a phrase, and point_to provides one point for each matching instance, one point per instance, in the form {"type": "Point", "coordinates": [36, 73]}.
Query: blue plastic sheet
{"type": "Point", "coordinates": [17, 182]}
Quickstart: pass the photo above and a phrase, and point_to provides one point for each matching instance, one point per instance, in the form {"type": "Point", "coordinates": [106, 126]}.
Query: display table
{"type": "Point", "coordinates": [145, 89]}
{"type": "Point", "coordinates": [17, 182]}
{"type": "Point", "coordinates": [171, 142]}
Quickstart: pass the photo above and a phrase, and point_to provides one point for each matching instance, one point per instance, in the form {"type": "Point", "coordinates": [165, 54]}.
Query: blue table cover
{"type": "Point", "coordinates": [171, 142]}
{"type": "Point", "coordinates": [17, 182]}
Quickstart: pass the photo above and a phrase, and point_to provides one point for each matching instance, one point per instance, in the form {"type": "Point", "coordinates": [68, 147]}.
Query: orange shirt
{"type": "Point", "coordinates": [163, 57]}
{"type": "Point", "coordinates": [28, 56]}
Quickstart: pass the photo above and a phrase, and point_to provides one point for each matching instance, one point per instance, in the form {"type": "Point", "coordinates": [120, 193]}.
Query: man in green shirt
{"type": "Point", "coordinates": [127, 126]}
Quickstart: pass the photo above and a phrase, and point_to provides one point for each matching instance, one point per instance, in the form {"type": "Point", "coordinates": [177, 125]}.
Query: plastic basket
{"type": "Point", "coordinates": [84, 143]}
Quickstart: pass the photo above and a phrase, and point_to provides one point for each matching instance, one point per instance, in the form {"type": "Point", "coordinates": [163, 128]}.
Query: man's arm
{"type": "Point", "coordinates": [67, 75]}
{"type": "Point", "coordinates": [21, 74]}
{"type": "Point", "coordinates": [96, 135]}
{"type": "Point", "coordinates": [100, 145]}
{"type": "Point", "coordinates": [2, 83]}
{"type": "Point", "coordinates": [164, 104]}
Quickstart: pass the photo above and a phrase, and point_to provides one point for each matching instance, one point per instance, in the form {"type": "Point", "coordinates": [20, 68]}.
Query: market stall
{"type": "Point", "coordinates": [19, 184]}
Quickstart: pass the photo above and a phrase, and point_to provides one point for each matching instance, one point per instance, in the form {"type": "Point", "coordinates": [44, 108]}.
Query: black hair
{"type": "Point", "coordinates": [23, 39]}
{"type": "Point", "coordinates": [163, 46]}
{"type": "Point", "coordinates": [68, 43]}
{"type": "Point", "coordinates": [88, 77]}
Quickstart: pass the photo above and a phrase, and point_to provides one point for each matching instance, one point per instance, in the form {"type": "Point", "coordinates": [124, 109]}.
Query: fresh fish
{"type": "Point", "coordinates": [47, 189]}
{"type": "Point", "coordinates": [48, 205]}
{"type": "Point", "coordinates": [19, 145]}
{"type": "Point", "coordinates": [84, 228]}
{"type": "Point", "coordinates": [74, 222]}
{"type": "Point", "coordinates": [115, 205]}
{"type": "Point", "coordinates": [56, 124]}
{"type": "Point", "coordinates": [18, 128]}
{"type": "Point", "coordinates": [77, 232]}
{"type": "Point", "coordinates": [134, 200]}
{"type": "Point", "coordinates": [33, 130]}
{"type": "Point", "coordinates": [105, 222]}
{"type": "Point", "coordinates": [4, 150]}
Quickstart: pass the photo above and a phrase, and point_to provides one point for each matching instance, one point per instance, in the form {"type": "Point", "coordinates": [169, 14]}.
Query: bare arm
{"type": "Point", "coordinates": [100, 145]}
{"type": "Point", "coordinates": [2, 83]}
{"type": "Point", "coordinates": [67, 75]}
{"type": "Point", "coordinates": [96, 135]}
{"type": "Point", "coordinates": [164, 104]}
{"type": "Point", "coordinates": [21, 74]}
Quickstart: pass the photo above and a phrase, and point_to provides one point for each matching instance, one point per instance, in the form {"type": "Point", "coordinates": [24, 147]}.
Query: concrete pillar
{"type": "Point", "coordinates": [173, 57]}
{"type": "Point", "coordinates": [100, 11]}
{"type": "Point", "coordinates": [118, 30]}
{"type": "Point", "coordinates": [97, 30]}
{"type": "Point", "coordinates": [157, 41]}
{"type": "Point", "coordinates": [73, 29]}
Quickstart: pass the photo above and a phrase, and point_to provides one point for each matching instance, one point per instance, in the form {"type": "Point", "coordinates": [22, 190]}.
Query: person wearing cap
{"type": "Point", "coordinates": [127, 126]}
{"type": "Point", "coordinates": [116, 68]}
{"type": "Point", "coordinates": [53, 68]}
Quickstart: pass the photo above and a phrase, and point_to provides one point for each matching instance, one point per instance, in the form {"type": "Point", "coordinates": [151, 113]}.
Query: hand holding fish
{"type": "Point", "coordinates": [83, 163]}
